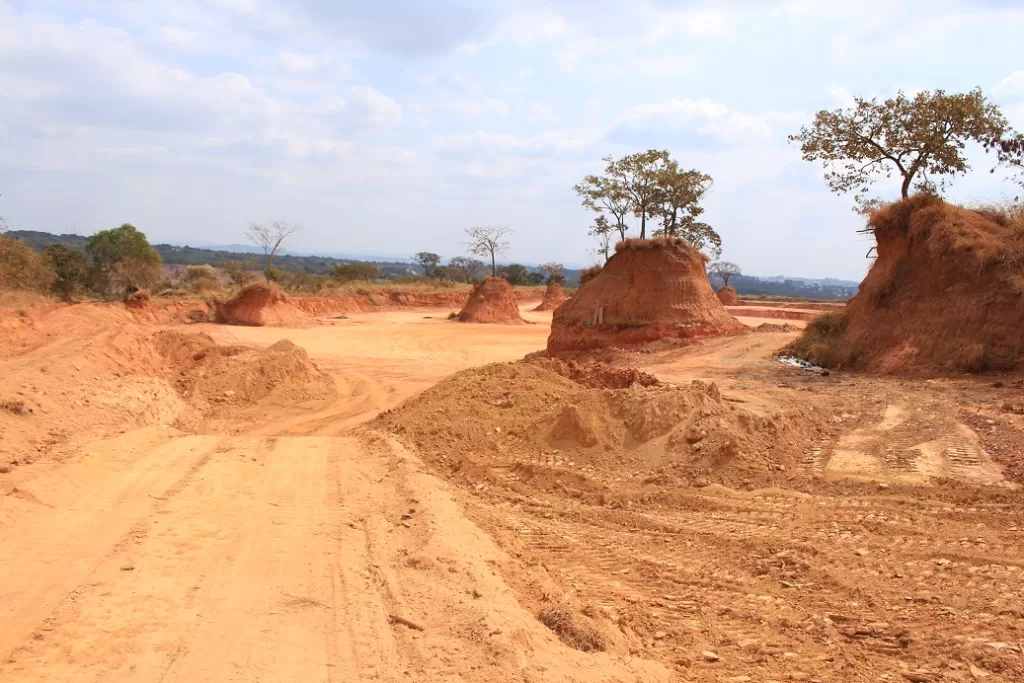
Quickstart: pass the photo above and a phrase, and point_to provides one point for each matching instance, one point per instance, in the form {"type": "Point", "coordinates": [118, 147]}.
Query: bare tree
{"type": "Point", "coordinates": [488, 242]}
{"type": "Point", "coordinates": [554, 270]}
{"type": "Point", "coordinates": [3, 225]}
{"type": "Point", "coordinates": [269, 237]}
{"type": "Point", "coordinates": [724, 270]}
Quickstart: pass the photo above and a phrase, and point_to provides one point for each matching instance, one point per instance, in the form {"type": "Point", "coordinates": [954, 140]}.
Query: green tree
{"type": "Point", "coordinates": [488, 242]}
{"type": "Point", "coordinates": [724, 270]}
{"type": "Point", "coordinates": [535, 278]}
{"type": "Point", "coordinates": [515, 273]}
{"type": "Point", "coordinates": [464, 268]}
{"type": "Point", "coordinates": [602, 230]}
{"type": "Point", "coordinates": [273, 274]}
{"type": "Point", "coordinates": [70, 267]}
{"type": "Point", "coordinates": [640, 175]}
{"type": "Point", "coordinates": [123, 257]}
{"type": "Point", "coordinates": [429, 261]}
{"type": "Point", "coordinates": [350, 272]}
{"type": "Point", "coordinates": [679, 195]}
{"type": "Point", "coordinates": [922, 138]}
{"type": "Point", "coordinates": [202, 278]}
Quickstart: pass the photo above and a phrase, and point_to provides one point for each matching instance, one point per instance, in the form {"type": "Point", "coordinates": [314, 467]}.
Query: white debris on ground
{"type": "Point", "coordinates": [802, 364]}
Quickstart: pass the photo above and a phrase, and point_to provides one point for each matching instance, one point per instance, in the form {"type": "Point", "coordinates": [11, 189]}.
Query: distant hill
{"type": "Point", "coordinates": [779, 285]}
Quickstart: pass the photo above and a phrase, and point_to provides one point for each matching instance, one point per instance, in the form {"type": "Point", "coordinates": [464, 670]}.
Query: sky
{"type": "Point", "coordinates": [390, 127]}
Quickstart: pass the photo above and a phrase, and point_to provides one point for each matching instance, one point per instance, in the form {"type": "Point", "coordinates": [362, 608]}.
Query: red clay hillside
{"type": "Point", "coordinates": [492, 301]}
{"type": "Point", "coordinates": [554, 296]}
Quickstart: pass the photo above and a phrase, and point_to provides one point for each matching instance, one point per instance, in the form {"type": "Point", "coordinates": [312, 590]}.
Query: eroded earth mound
{"type": "Point", "coordinates": [727, 295]}
{"type": "Point", "coordinates": [249, 306]}
{"type": "Point", "coordinates": [492, 301]}
{"type": "Point", "coordinates": [649, 290]}
{"type": "Point", "coordinates": [946, 294]}
{"type": "Point", "coordinates": [554, 296]}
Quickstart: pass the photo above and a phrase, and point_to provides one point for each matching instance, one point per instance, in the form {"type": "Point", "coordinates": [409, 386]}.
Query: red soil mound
{"type": "Point", "coordinates": [727, 295]}
{"type": "Point", "coordinates": [649, 290]}
{"type": "Point", "coordinates": [946, 293]}
{"type": "Point", "coordinates": [596, 375]}
{"type": "Point", "coordinates": [554, 296]}
{"type": "Point", "coordinates": [492, 301]}
{"type": "Point", "coordinates": [248, 306]}
{"type": "Point", "coordinates": [511, 418]}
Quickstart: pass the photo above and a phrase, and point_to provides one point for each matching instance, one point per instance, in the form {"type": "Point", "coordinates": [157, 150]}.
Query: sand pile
{"type": "Point", "coordinates": [649, 290]}
{"type": "Point", "coordinates": [219, 379]}
{"type": "Point", "coordinates": [492, 301]}
{"type": "Point", "coordinates": [946, 294]}
{"type": "Point", "coordinates": [480, 422]}
{"type": "Point", "coordinates": [249, 306]}
{"type": "Point", "coordinates": [554, 296]}
{"type": "Point", "coordinates": [727, 295]}
{"type": "Point", "coordinates": [596, 375]}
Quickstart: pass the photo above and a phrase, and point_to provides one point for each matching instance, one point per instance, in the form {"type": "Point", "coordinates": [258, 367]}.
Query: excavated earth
{"type": "Point", "coordinates": [393, 497]}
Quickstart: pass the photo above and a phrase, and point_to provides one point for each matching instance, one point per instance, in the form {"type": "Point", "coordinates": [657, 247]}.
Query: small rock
{"type": "Point", "coordinates": [710, 656]}
{"type": "Point", "coordinates": [229, 393]}
{"type": "Point", "coordinates": [943, 562]}
{"type": "Point", "coordinates": [127, 567]}
{"type": "Point", "coordinates": [862, 551]}
{"type": "Point", "coordinates": [497, 430]}
{"type": "Point", "coordinates": [659, 635]}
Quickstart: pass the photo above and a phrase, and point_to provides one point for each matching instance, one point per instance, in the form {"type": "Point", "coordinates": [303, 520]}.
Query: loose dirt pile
{"type": "Point", "coordinates": [250, 305]}
{"type": "Point", "coordinates": [554, 296]}
{"type": "Point", "coordinates": [492, 301]}
{"type": "Point", "coordinates": [481, 422]}
{"type": "Point", "coordinates": [649, 290]}
{"type": "Point", "coordinates": [945, 294]}
{"type": "Point", "coordinates": [727, 295]}
{"type": "Point", "coordinates": [596, 375]}
{"type": "Point", "coordinates": [219, 380]}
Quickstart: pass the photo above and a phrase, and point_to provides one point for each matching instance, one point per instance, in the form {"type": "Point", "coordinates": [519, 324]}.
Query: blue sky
{"type": "Point", "coordinates": [390, 127]}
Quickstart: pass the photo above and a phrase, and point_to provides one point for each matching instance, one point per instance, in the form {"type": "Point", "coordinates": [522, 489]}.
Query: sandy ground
{"type": "Point", "coordinates": [309, 548]}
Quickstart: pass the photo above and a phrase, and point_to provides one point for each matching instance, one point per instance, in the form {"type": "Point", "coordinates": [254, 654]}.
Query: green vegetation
{"type": "Point", "coordinates": [819, 342]}
{"type": "Point", "coordinates": [923, 138]}
{"type": "Point", "coordinates": [122, 257]}
{"type": "Point", "coordinates": [22, 268]}
{"type": "Point", "coordinates": [70, 268]}
{"type": "Point", "coordinates": [350, 272]}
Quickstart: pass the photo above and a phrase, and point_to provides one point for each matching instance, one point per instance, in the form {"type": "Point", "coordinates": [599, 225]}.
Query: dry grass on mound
{"type": "Point", "coordinates": [637, 244]}
{"type": "Point", "coordinates": [570, 627]}
{"type": "Point", "coordinates": [821, 341]}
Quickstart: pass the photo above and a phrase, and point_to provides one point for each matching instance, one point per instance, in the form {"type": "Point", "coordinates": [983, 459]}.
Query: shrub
{"type": "Point", "coordinates": [819, 344]}
{"type": "Point", "coordinates": [588, 274]}
{"type": "Point", "coordinates": [237, 272]}
{"type": "Point", "coordinates": [273, 274]}
{"type": "Point", "coordinates": [351, 272]}
{"type": "Point", "coordinates": [22, 268]}
{"type": "Point", "coordinates": [306, 283]}
{"type": "Point", "coordinates": [201, 278]}
{"type": "Point", "coordinates": [70, 268]}
{"type": "Point", "coordinates": [122, 257]}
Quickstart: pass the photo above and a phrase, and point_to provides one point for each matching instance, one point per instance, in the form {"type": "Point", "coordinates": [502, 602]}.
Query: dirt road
{"type": "Point", "coordinates": [310, 548]}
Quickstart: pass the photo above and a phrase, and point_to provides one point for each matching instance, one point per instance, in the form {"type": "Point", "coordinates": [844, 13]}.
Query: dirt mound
{"type": "Point", "coordinates": [945, 294]}
{"type": "Point", "coordinates": [492, 301]}
{"type": "Point", "coordinates": [649, 290]}
{"type": "Point", "coordinates": [139, 300]}
{"type": "Point", "coordinates": [727, 295]}
{"type": "Point", "coordinates": [596, 375]}
{"type": "Point", "coordinates": [220, 379]}
{"type": "Point", "coordinates": [774, 327]}
{"type": "Point", "coordinates": [482, 421]}
{"type": "Point", "coordinates": [554, 296]}
{"type": "Point", "coordinates": [248, 307]}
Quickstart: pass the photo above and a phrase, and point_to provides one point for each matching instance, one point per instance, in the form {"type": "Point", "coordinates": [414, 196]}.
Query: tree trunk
{"type": "Point", "coordinates": [906, 185]}
{"type": "Point", "coordinates": [494, 267]}
{"type": "Point", "coordinates": [643, 225]}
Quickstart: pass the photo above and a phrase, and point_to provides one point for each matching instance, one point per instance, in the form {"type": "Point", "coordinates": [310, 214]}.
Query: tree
{"type": "Point", "coordinates": [350, 272]}
{"type": "Point", "coordinates": [922, 138]}
{"type": "Point", "coordinates": [123, 256]}
{"type": "Point", "coordinates": [464, 268]}
{"type": "Point", "coordinates": [679, 195]}
{"type": "Point", "coordinates": [22, 268]}
{"type": "Point", "coordinates": [488, 242]}
{"type": "Point", "coordinates": [237, 271]}
{"type": "Point", "coordinates": [555, 271]}
{"type": "Point", "coordinates": [70, 268]}
{"type": "Point", "coordinates": [269, 237]}
{"type": "Point", "coordinates": [724, 270]}
{"type": "Point", "coordinates": [639, 175]}
{"type": "Point", "coordinates": [535, 278]}
{"type": "Point", "coordinates": [515, 273]}
{"type": "Point", "coordinates": [602, 230]}
{"type": "Point", "coordinates": [429, 261]}
{"type": "Point", "coordinates": [607, 194]}
{"type": "Point", "coordinates": [202, 278]}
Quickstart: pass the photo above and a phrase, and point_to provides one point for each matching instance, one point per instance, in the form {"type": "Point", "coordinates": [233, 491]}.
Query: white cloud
{"type": "Point", "coordinates": [1011, 86]}
{"type": "Point", "coordinates": [540, 114]}
{"type": "Point", "coordinates": [374, 107]}
{"type": "Point", "coordinates": [470, 107]}
{"type": "Point", "coordinates": [703, 117]}
{"type": "Point", "coordinates": [551, 142]}
{"type": "Point", "coordinates": [842, 96]}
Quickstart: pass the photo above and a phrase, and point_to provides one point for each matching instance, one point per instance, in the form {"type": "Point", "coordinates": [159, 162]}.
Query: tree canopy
{"type": "Point", "coordinates": [464, 268]}
{"type": "Point", "coordinates": [70, 267]}
{"type": "Point", "coordinates": [123, 256]}
{"type": "Point", "coordinates": [269, 237]}
{"type": "Point", "coordinates": [922, 138]}
{"type": "Point", "coordinates": [429, 261]}
{"type": "Point", "coordinates": [724, 270]}
{"type": "Point", "coordinates": [649, 185]}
